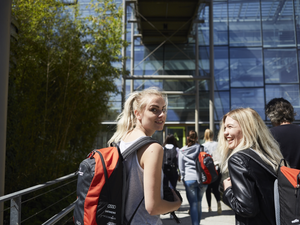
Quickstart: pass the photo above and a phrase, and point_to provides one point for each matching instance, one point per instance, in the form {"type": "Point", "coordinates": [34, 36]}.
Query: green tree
{"type": "Point", "coordinates": [59, 86]}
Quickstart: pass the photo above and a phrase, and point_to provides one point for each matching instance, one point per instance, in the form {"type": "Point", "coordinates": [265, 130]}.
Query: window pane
{"type": "Point", "coordinates": [153, 65]}
{"type": "Point", "coordinates": [181, 108]}
{"type": "Point", "coordinates": [221, 104]}
{"type": "Point", "coordinates": [204, 61]}
{"type": "Point", "coordinates": [280, 66]}
{"type": "Point", "coordinates": [244, 23]}
{"type": "Point", "coordinates": [220, 24]}
{"type": "Point", "coordinates": [221, 68]}
{"type": "Point", "coordinates": [290, 92]}
{"type": "Point", "coordinates": [187, 86]}
{"type": "Point", "coordinates": [179, 60]}
{"type": "Point", "coordinates": [203, 28]}
{"type": "Point", "coordinates": [246, 67]}
{"type": "Point", "coordinates": [278, 23]}
{"type": "Point", "coordinates": [249, 97]}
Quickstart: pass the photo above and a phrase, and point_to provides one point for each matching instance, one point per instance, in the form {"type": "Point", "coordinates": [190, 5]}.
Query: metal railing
{"type": "Point", "coordinates": [16, 200]}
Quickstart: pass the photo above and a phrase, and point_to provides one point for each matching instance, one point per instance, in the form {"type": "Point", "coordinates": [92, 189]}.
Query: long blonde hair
{"type": "Point", "coordinates": [208, 135]}
{"type": "Point", "coordinates": [256, 135]}
{"type": "Point", "coordinates": [126, 121]}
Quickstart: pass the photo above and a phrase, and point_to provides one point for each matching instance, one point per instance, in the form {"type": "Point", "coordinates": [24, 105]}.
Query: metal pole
{"type": "Point", "coordinates": [211, 67]}
{"type": "Point", "coordinates": [15, 210]}
{"type": "Point", "coordinates": [124, 55]}
{"type": "Point", "coordinates": [197, 82]}
{"type": "Point", "coordinates": [132, 57]}
{"type": "Point", "coordinates": [5, 11]}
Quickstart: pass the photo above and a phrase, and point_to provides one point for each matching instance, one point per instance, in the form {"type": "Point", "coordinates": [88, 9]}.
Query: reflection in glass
{"type": "Point", "coordinates": [179, 59]}
{"type": "Point", "coordinates": [204, 61]}
{"type": "Point", "coordinates": [249, 97]}
{"type": "Point", "coordinates": [221, 104]}
{"type": "Point", "coordinates": [288, 91]}
{"type": "Point", "coordinates": [220, 25]}
{"type": "Point", "coordinates": [246, 67]}
{"type": "Point", "coordinates": [244, 23]}
{"type": "Point", "coordinates": [278, 23]}
{"type": "Point", "coordinates": [181, 108]}
{"type": "Point", "coordinates": [147, 60]}
{"type": "Point", "coordinates": [221, 71]}
{"type": "Point", "coordinates": [280, 66]}
{"type": "Point", "coordinates": [221, 68]}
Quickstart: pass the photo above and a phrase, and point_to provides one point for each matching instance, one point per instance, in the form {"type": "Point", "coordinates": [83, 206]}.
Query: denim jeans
{"type": "Point", "coordinates": [194, 194]}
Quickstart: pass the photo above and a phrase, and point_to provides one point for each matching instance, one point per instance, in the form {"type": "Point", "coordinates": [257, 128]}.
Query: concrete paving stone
{"type": "Point", "coordinates": [208, 218]}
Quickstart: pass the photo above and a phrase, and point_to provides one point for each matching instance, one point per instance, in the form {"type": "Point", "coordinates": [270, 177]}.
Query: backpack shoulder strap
{"type": "Point", "coordinates": [140, 143]}
{"type": "Point", "coordinates": [201, 148]}
{"type": "Point", "coordinates": [253, 155]}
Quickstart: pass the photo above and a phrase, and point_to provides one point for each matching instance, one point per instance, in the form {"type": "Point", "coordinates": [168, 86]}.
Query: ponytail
{"type": "Point", "coordinates": [126, 121]}
{"type": "Point", "coordinates": [192, 138]}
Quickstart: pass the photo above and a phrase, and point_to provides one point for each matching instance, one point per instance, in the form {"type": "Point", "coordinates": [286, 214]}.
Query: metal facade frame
{"type": "Point", "coordinates": [132, 77]}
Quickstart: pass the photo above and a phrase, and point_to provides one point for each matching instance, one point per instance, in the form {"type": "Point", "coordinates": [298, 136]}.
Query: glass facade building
{"type": "Point", "coordinates": [256, 58]}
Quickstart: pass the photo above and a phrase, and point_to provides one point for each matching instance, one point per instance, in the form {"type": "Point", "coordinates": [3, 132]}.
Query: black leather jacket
{"type": "Point", "coordinates": [251, 195]}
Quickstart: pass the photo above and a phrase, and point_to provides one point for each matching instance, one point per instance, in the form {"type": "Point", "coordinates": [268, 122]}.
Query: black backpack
{"type": "Point", "coordinates": [101, 184]}
{"type": "Point", "coordinates": [170, 157]}
{"type": "Point", "coordinates": [286, 190]}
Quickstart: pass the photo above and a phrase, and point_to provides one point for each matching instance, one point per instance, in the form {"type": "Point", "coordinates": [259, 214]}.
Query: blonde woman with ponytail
{"type": "Point", "coordinates": [249, 187]}
{"type": "Point", "coordinates": [144, 113]}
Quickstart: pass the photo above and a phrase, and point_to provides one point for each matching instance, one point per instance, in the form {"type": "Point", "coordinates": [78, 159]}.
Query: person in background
{"type": "Point", "coordinates": [170, 161]}
{"type": "Point", "coordinates": [210, 145]}
{"type": "Point", "coordinates": [249, 191]}
{"type": "Point", "coordinates": [144, 113]}
{"type": "Point", "coordinates": [282, 114]}
{"type": "Point", "coordinates": [170, 166]}
{"type": "Point", "coordinates": [187, 167]}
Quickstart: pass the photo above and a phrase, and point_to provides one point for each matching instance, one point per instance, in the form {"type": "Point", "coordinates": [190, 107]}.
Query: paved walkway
{"type": "Point", "coordinates": [208, 218]}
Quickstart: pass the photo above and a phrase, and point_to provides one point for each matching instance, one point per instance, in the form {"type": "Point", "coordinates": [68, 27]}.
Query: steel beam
{"type": "Point", "coordinates": [167, 77]}
{"type": "Point", "coordinates": [211, 67]}
{"type": "Point", "coordinates": [197, 82]}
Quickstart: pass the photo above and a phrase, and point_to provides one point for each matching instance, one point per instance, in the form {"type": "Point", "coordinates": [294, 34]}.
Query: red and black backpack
{"type": "Point", "coordinates": [101, 184]}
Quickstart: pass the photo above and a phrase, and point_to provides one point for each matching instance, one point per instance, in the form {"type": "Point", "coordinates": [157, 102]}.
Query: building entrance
{"type": "Point", "coordinates": [179, 134]}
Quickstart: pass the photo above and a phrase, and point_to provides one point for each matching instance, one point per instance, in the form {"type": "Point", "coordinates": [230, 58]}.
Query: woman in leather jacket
{"type": "Point", "coordinates": [249, 187]}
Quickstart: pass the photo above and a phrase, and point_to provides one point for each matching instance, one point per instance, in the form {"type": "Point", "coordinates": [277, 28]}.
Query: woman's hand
{"type": "Point", "coordinates": [227, 183]}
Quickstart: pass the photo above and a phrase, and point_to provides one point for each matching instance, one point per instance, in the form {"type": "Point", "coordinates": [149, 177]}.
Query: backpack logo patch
{"type": "Point", "coordinates": [295, 221]}
{"type": "Point", "coordinates": [110, 206]}
{"type": "Point", "coordinates": [80, 173]}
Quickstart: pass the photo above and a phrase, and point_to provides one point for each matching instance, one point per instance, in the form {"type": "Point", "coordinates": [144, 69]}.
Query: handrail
{"type": "Point", "coordinates": [15, 200]}
{"type": "Point", "coordinates": [54, 219]}
{"type": "Point", "coordinates": [34, 188]}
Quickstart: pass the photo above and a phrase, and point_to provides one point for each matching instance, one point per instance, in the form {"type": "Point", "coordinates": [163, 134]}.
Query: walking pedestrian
{"type": "Point", "coordinates": [187, 167]}
{"type": "Point", "coordinates": [170, 166]}
{"type": "Point", "coordinates": [282, 114]}
{"type": "Point", "coordinates": [249, 188]}
{"type": "Point", "coordinates": [144, 113]}
{"type": "Point", "coordinates": [210, 145]}
{"type": "Point", "coordinates": [170, 161]}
